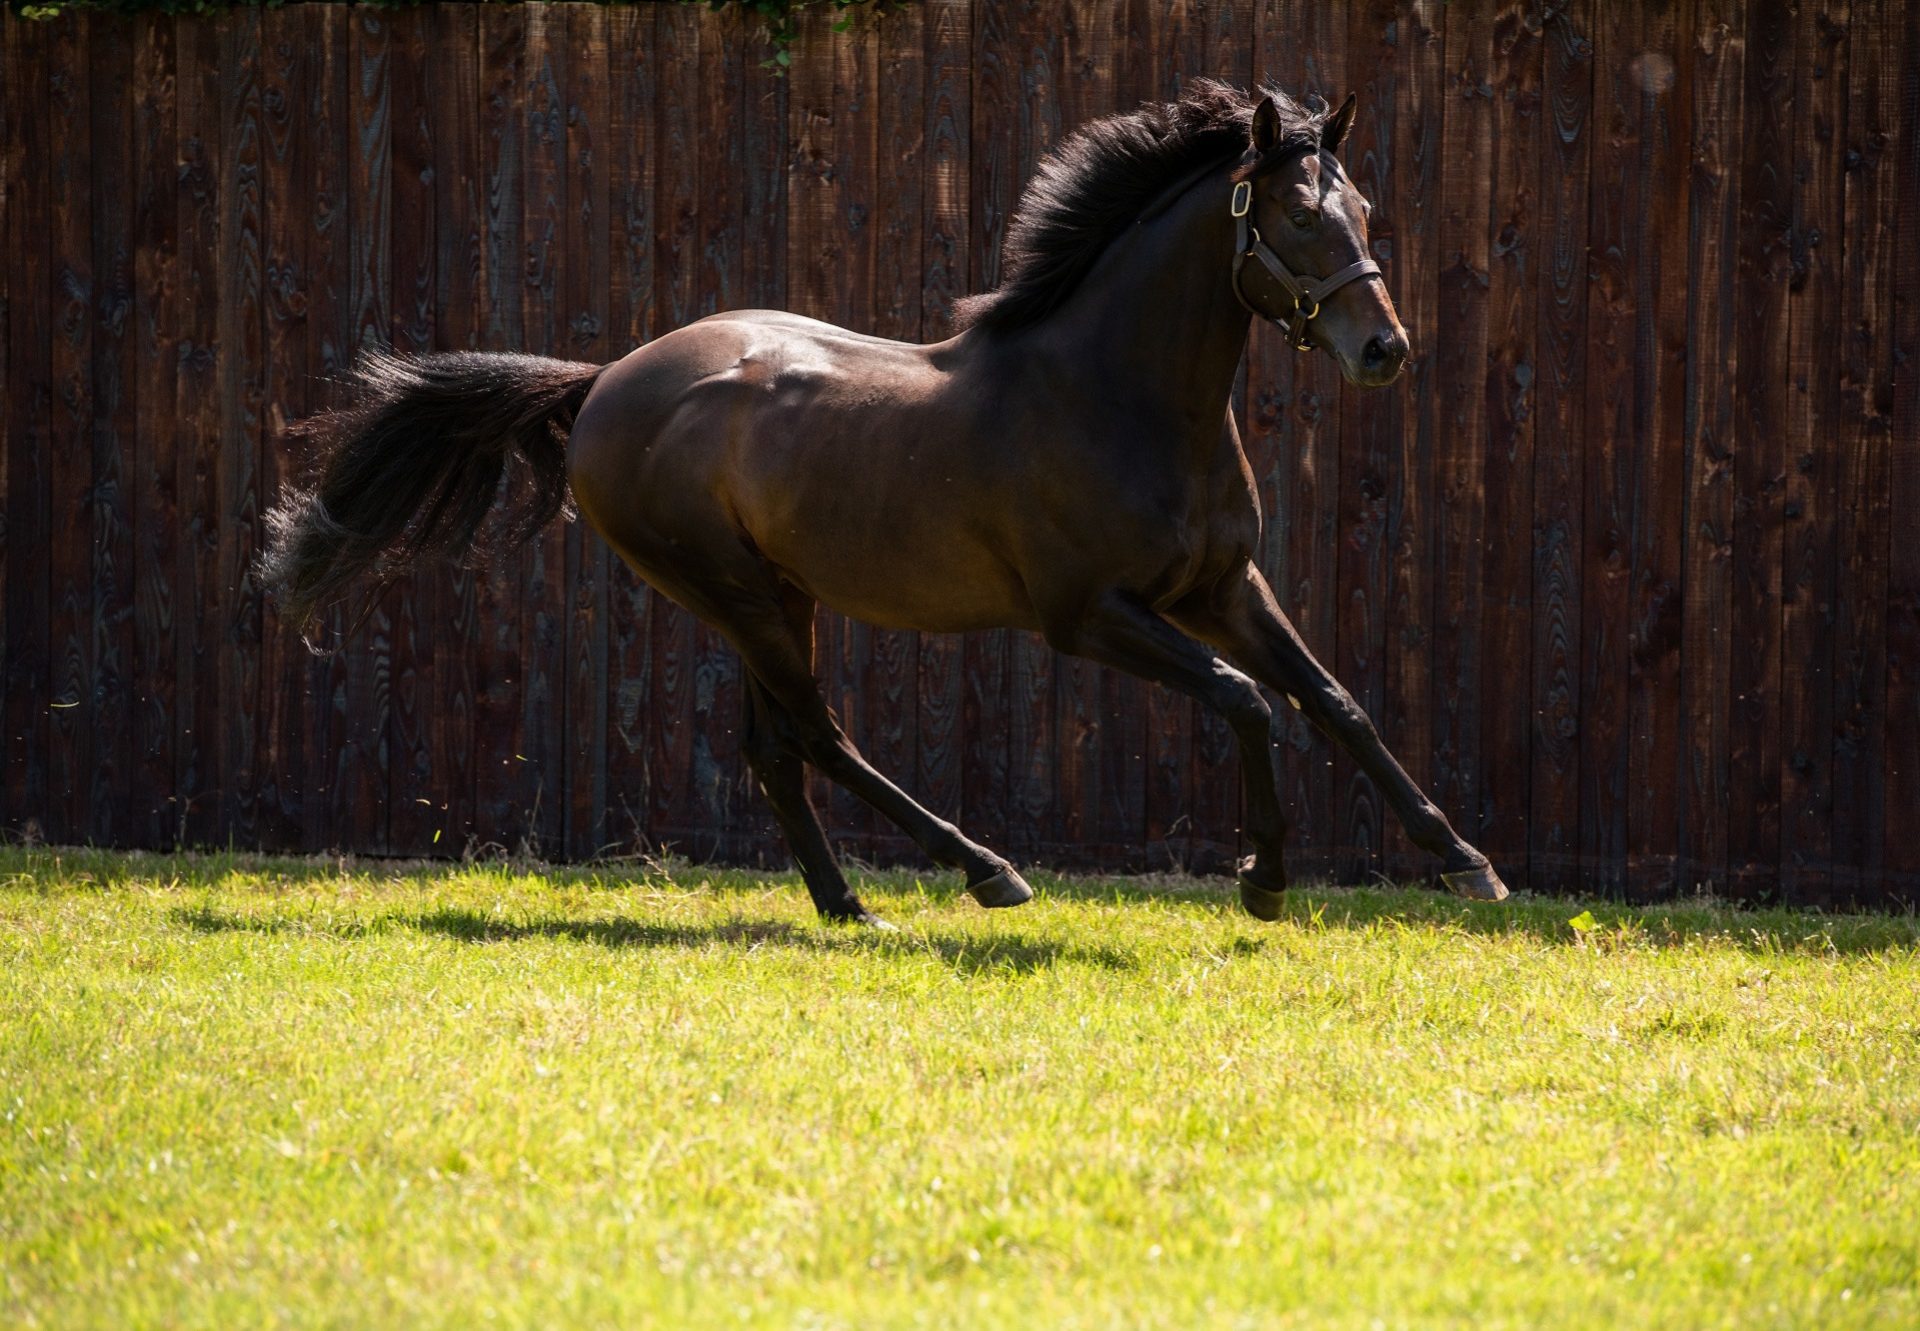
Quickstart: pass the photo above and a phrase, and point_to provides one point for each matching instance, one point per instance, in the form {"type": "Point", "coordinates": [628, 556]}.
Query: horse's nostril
{"type": "Point", "coordinates": [1375, 354]}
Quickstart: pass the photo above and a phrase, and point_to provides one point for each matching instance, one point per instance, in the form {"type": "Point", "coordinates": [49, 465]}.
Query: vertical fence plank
{"type": "Point", "coordinates": [1560, 438]}
{"type": "Point", "coordinates": [675, 808]}
{"type": "Point", "coordinates": [635, 146]}
{"type": "Point", "coordinates": [1464, 454]}
{"type": "Point", "coordinates": [1865, 443]}
{"type": "Point", "coordinates": [1765, 259]}
{"type": "Point", "coordinates": [718, 771]}
{"type": "Point", "coordinates": [1295, 420]}
{"type": "Point", "coordinates": [1513, 237]}
{"type": "Point", "coordinates": [156, 515]}
{"type": "Point", "coordinates": [946, 176]}
{"type": "Point", "coordinates": [198, 786]}
{"type": "Point", "coordinates": [108, 808]}
{"type": "Point", "coordinates": [72, 694]}
{"type": "Point", "coordinates": [1433, 533]}
{"type": "Point", "coordinates": [28, 406]}
{"type": "Point", "coordinates": [459, 206]}
{"type": "Point", "coordinates": [1718, 30]}
{"type": "Point", "coordinates": [1902, 717]}
{"type": "Point", "coordinates": [285, 73]}
{"type": "Point", "coordinates": [499, 810]}
{"type": "Point", "coordinates": [1370, 426]}
{"type": "Point", "coordinates": [899, 113]}
{"type": "Point", "coordinates": [1812, 466]}
{"type": "Point", "coordinates": [414, 717]}
{"type": "Point", "coordinates": [330, 348]}
{"type": "Point", "coordinates": [1090, 714]}
{"type": "Point", "coordinates": [585, 338]}
{"type": "Point", "coordinates": [1665, 75]}
{"type": "Point", "coordinates": [1616, 232]}
{"type": "Point", "coordinates": [239, 329]}
{"type": "Point", "coordinates": [995, 181]}
{"type": "Point", "coordinates": [540, 749]}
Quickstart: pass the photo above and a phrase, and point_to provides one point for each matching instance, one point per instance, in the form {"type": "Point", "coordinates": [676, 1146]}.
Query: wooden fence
{"type": "Point", "coordinates": [1624, 566]}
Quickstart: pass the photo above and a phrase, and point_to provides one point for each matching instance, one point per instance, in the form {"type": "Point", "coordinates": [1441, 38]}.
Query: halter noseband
{"type": "Point", "coordinates": [1307, 292]}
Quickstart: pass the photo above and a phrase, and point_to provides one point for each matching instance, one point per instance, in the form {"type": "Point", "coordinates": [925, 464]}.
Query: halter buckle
{"type": "Point", "coordinates": [1242, 197]}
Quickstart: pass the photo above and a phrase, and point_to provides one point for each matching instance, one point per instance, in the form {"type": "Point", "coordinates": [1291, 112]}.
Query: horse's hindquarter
{"type": "Point", "coordinates": [860, 469]}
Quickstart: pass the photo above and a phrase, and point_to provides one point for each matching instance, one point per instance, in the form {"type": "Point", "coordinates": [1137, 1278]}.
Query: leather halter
{"type": "Point", "coordinates": [1307, 292]}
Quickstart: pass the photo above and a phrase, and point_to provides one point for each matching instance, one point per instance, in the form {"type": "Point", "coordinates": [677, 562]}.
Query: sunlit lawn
{"type": "Point", "coordinates": [240, 1092]}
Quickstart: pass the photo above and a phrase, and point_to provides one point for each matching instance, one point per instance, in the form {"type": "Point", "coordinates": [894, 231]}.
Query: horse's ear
{"type": "Point", "coordinates": [1339, 125]}
{"type": "Point", "coordinates": [1266, 127]}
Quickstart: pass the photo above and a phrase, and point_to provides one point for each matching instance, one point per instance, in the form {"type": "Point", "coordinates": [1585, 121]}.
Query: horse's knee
{"type": "Point", "coordinates": [1246, 709]}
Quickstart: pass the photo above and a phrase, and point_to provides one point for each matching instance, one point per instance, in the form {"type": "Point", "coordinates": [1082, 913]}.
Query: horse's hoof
{"type": "Point", "coordinates": [878, 925]}
{"type": "Point", "coordinates": [1262, 900]}
{"type": "Point", "coordinates": [1479, 883]}
{"type": "Point", "coordinates": [1005, 888]}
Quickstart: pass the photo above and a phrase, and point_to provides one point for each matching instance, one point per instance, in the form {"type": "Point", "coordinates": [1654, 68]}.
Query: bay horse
{"type": "Point", "coordinates": [1068, 463]}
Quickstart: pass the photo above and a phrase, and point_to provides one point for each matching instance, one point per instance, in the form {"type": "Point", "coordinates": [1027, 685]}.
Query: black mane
{"type": "Point", "coordinates": [1095, 183]}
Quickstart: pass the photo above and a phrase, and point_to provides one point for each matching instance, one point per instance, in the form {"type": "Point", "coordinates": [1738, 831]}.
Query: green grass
{"type": "Point", "coordinates": [242, 1092]}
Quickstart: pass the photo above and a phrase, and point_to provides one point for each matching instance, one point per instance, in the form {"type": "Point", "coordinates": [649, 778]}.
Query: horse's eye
{"type": "Point", "coordinates": [1302, 219]}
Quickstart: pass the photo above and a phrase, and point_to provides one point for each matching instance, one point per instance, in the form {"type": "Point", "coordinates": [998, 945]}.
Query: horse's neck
{"type": "Point", "coordinates": [1159, 311]}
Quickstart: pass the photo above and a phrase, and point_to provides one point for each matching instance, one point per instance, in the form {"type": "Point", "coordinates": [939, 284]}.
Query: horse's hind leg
{"type": "Point", "coordinates": [778, 765]}
{"type": "Point", "coordinates": [777, 649]}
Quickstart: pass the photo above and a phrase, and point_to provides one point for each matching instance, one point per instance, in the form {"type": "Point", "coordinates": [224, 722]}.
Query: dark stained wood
{"type": "Point", "coordinates": [1432, 537]}
{"type": "Point", "coordinates": [415, 715]}
{"type": "Point", "coordinates": [720, 788]}
{"type": "Point", "coordinates": [1664, 79]}
{"type": "Point", "coordinates": [1464, 454]}
{"type": "Point", "coordinates": [239, 328]}
{"type": "Point", "coordinates": [500, 809]}
{"type": "Point", "coordinates": [946, 183]}
{"type": "Point", "coordinates": [286, 71]}
{"type": "Point", "coordinates": [361, 770]}
{"type": "Point", "coordinates": [1616, 567]}
{"type": "Point", "coordinates": [1293, 437]}
{"type": "Point", "coordinates": [1719, 34]}
{"type": "Point", "coordinates": [634, 144]}
{"type": "Point", "coordinates": [1514, 249]}
{"type": "Point", "coordinates": [107, 812]}
{"type": "Point", "coordinates": [1901, 862]}
{"type": "Point", "coordinates": [29, 404]}
{"type": "Point", "coordinates": [1616, 234]}
{"type": "Point", "coordinates": [898, 43]}
{"type": "Point", "coordinates": [673, 815]}
{"type": "Point", "coordinates": [330, 347]}
{"type": "Point", "coordinates": [1812, 471]}
{"type": "Point", "coordinates": [1559, 439]}
{"type": "Point", "coordinates": [155, 818]}
{"type": "Point", "coordinates": [540, 750]}
{"type": "Point", "coordinates": [584, 286]}
{"type": "Point", "coordinates": [1761, 459]}
{"type": "Point", "coordinates": [1370, 426]}
{"type": "Point", "coordinates": [459, 207]}
{"type": "Point", "coordinates": [1865, 444]}
{"type": "Point", "coordinates": [71, 697]}
{"type": "Point", "coordinates": [994, 185]}
{"type": "Point", "coordinates": [201, 290]}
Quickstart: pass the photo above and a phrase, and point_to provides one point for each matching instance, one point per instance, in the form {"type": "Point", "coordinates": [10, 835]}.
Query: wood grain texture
{"type": "Point", "coordinates": [1616, 567]}
{"type": "Point", "coordinates": [1761, 458]}
{"type": "Point", "coordinates": [414, 716]}
{"type": "Point", "coordinates": [1512, 234]}
{"type": "Point", "coordinates": [1560, 434]}
{"type": "Point", "coordinates": [1865, 443]}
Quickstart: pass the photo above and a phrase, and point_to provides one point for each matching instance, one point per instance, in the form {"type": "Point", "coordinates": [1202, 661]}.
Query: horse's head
{"type": "Point", "coordinates": [1303, 258]}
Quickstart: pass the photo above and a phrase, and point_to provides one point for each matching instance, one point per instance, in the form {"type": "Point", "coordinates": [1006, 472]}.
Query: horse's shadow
{"type": "Point", "coordinates": [1016, 954]}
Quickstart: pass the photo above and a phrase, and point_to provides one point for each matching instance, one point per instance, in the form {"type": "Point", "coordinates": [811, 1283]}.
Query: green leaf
{"type": "Point", "coordinates": [1584, 922]}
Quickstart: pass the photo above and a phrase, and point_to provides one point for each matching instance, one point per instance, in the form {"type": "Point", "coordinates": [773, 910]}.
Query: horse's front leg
{"type": "Point", "coordinates": [1246, 623]}
{"type": "Point", "coordinates": [1117, 630]}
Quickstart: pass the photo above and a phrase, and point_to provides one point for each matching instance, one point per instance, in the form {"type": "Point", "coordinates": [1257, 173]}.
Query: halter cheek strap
{"type": "Point", "coordinates": [1307, 292]}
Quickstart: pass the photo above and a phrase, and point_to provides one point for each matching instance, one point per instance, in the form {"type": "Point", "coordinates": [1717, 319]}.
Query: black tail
{"type": "Point", "coordinates": [415, 463]}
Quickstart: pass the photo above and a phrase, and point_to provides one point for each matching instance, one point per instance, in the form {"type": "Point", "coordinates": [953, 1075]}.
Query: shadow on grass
{"type": "Point", "coordinates": [966, 956]}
